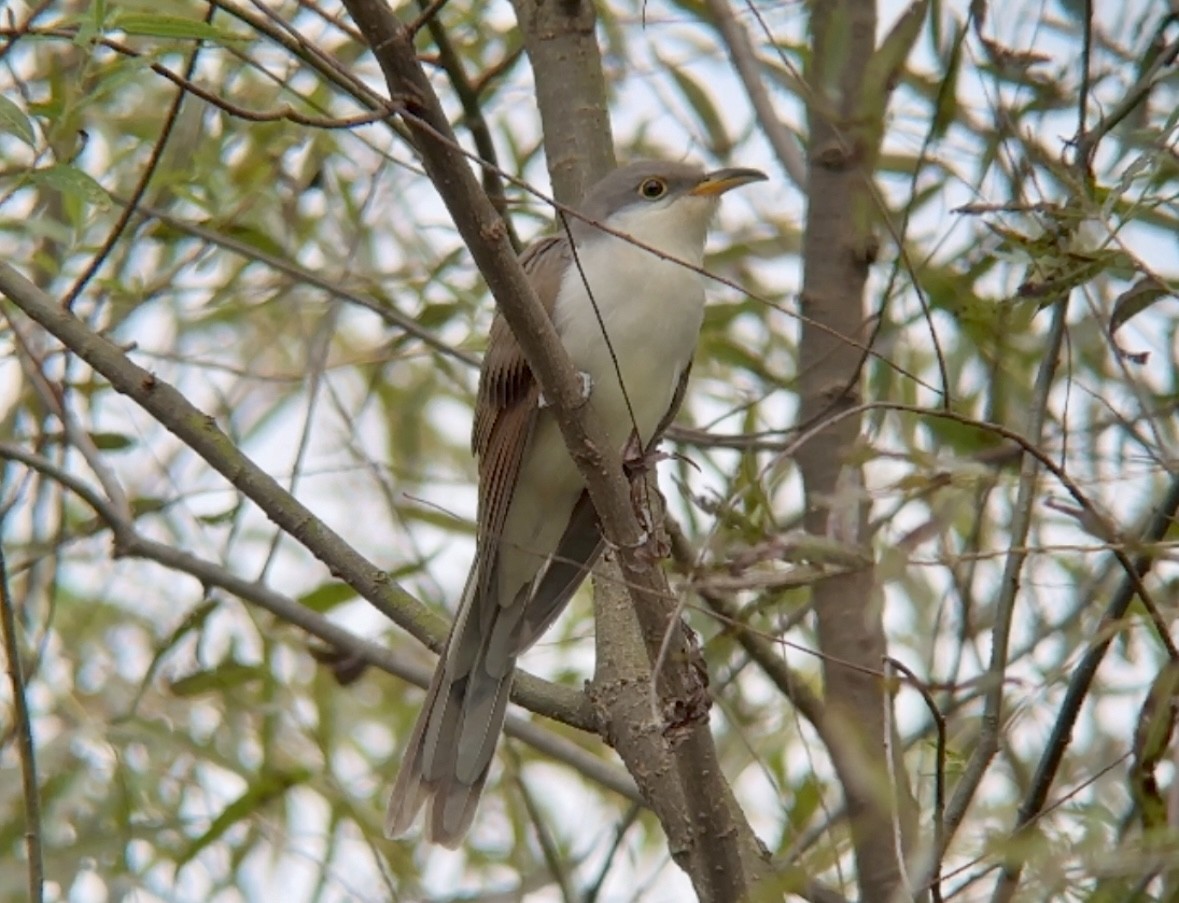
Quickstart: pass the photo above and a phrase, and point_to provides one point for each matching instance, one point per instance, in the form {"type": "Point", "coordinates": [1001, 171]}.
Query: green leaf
{"type": "Point", "coordinates": [111, 441]}
{"type": "Point", "coordinates": [806, 797]}
{"type": "Point", "coordinates": [962, 438]}
{"type": "Point", "coordinates": [946, 106]}
{"type": "Point", "coordinates": [326, 597]}
{"type": "Point", "coordinates": [1141, 295]}
{"type": "Point", "coordinates": [888, 60]}
{"type": "Point", "coordinates": [226, 676]}
{"type": "Point", "coordinates": [1152, 737]}
{"type": "Point", "coordinates": [193, 622]}
{"type": "Point", "coordinates": [705, 110]}
{"type": "Point", "coordinates": [219, 517]}
{"type": "Point", "coordinates": [262, 790]}
{"type": "Point", "coordinates": [14, 121]}
{"type": "Point", "coordinates": [250, 235]}
{"type": "Point", "coordinates": [152, 25]}
{"type": "Point", "coordinates": [71, 181]}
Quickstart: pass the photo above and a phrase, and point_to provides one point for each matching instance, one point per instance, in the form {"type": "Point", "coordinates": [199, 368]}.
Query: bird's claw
{"type": "Point", "coordinates": [587, 388]}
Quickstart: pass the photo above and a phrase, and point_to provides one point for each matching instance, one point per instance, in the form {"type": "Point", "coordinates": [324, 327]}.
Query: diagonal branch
{"type": "Point", "coordinates": [198, 431]}
{"type": "Point", "coordinates": [720, 845]}
{"type": "Point", "coordinates": [554, 701]}
{"type": "Point", "coordinates": [744, 59]}
{"type": "Point", "coordinates": [26, 747]}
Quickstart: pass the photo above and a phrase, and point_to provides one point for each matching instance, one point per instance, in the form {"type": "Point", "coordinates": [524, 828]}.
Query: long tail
{"type": "Point", "coordinates": [450, 750]}
{"type": "Point", "coordinates": [453, 742]}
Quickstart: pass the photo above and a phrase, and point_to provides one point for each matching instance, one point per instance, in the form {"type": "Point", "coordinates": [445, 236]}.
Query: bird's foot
{"type": "Point", "coordinates": [649, 509]}
{"type": "Point", "coordinates": [636, 461]}
{"type": "Point", "coordinates": [587, 388]}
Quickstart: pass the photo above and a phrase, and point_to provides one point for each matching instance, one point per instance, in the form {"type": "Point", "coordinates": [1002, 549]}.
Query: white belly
{"type": "Point", "coordinates": [650, 313]}
{"type": "Point", "coordinates": [651, 310]}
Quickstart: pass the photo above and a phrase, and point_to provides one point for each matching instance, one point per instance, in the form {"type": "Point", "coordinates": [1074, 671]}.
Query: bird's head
{"type": "Point", "coordinates": [662, 204]}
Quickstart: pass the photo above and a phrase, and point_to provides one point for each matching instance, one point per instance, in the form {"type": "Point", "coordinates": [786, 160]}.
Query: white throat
{"type": "Point", "coordinates": [650, 306]}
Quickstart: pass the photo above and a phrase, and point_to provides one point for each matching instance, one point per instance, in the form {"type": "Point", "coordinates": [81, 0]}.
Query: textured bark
{"type": "Point", "coordinates": [562, 46]}
{"type": "Point", "coordinates": [839, 245]}
{"type": "Point", "coordinates": [677, 769]}
{"type": "Point", "coordinates": [719, 841]}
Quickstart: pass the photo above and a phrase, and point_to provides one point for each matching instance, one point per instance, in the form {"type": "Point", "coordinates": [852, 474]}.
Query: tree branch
{"type": "Point", "coordinates": [200, 433]}
{"type": "Point", "coordinates": [1082, 678]}
{"type": "Point", "coordinates": [744, 59]}
{"type": "Point", "coordinates": [26, 747]}
{"type": "Point", "coordinates": [715, 861]}
{"type": "Point", "coordinates": [562, 704]}
{"type": "Point", "coordinates": [562, 46]}
{"type": "Point", "coordinates": [839, 244]}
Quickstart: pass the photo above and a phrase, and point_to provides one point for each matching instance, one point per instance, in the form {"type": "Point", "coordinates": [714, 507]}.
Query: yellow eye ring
{"type": "Point", "coordinates": [653, 189]}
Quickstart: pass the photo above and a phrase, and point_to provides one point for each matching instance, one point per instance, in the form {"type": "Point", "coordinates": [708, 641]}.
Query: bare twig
{"type": "Point", "coordinates": [285, 112]}
{"type": "Point", "coordinates": [560, 703]}
{"type": "Point", "coordinates": [784, 142]}
{"type": "Point", "coordinates": [199, 432]}
{"type": "Point", "coordinates": [931, 874]}
{"type": "Point", "coordinates": [75, 433]}
{"type": "Point", "coordinates": [137, 193]}
{"type": "Point", "coordinates": [389, 314]}
{"type": "Point", "coordinates": [1079, 684]}
{"type": "Point", "coordinates": [26, 747]}
{"type": "Point", "coordinates": [1023, 507]}
{"type": "Point", "coordinates": [1087, 145]}
{"type": "Point", "coordinates": [720, 846]}
{"type": "Point", "coordinates": [473, 117]}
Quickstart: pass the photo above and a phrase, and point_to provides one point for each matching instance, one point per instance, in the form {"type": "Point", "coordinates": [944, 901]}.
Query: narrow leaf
{"type": "Point", "coordinates": [111, 441]}
{"type": "Point", "coordinates": [14, 121]}
{"type": "Point", "coordinates": [1141, 295]}
{"type": "Point", "coordinates": [946, 105]}
{"type": "Point", "coordinates": [158, 26]}
{"type": "Point", "coordinates": [225, 676]}
{"type": "Point", "coordinates": [704, 108]}
{"type": "Point", "coordinates": [326, 597]}
{"type": "Point", "coordinates": [264, 789]}
{"type": "Point", "coordinates": [72, 181]}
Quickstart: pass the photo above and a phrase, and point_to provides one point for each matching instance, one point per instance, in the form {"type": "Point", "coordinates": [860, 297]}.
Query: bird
{"type": "Point", "coordinates": [629, 318]}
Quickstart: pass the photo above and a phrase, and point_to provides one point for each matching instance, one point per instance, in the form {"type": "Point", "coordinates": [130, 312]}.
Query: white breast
{"type": "Point", "coordinates": [651, 311]}
{"type": "Point", "coordinates": [645, 309]}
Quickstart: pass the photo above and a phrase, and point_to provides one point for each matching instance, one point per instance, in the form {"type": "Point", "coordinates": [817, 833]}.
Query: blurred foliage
{"type": "Point", "coordinates": [189, 746]}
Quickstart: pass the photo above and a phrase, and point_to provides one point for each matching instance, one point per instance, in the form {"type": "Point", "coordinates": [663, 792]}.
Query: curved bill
{"type": "Point", "coordinates": [722, 180]}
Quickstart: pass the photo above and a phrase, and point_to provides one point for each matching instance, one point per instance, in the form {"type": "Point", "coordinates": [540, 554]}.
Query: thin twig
{"type": "Point", "coordinates": [891, 755]}
{"type": "Point", "coordinates": [1023, 506]}
{"type": "Point", "coordinates": [1079, 684]}
{"type": "Point", "coordinates": [931, 875]}
{"type": "Point", "coordinates": [721, 855]}
{"type": "Point", "coordinates": [284, 112]}
{"type": "Point", "coordinates": [563, 704]}
{"type": "Point", "coordinates": [140, 189]}
{"type": "Point", "coordinates": [473, 117]}
{"type": "Point", "coordinates": [390, 315]}
{"type": "Point", "coordinates": [24, 733]}
{"type": "Point", "coordinates": [1136, 95]}
{"type": "Point", "coordinates": [744, 59]}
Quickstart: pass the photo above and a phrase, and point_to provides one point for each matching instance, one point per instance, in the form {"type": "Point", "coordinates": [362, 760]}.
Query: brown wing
{"type": "Point", "coordinates": [506, 404]}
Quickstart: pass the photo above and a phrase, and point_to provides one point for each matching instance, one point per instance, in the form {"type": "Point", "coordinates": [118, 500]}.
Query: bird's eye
{"type": "Point", "coordinates": [653, 189]}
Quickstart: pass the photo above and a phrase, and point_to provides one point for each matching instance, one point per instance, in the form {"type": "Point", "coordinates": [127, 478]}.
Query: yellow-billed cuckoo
{"type": "Point", "coordinates": [629, 320]}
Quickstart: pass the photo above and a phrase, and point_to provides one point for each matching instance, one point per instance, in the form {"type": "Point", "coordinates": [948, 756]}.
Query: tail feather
{"type": "Point", "coordinates": [454, 740]}
{"type": "Point", "coordinates": [452, 745]}
{"type": "Point", "coordinates": [484, 710]}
